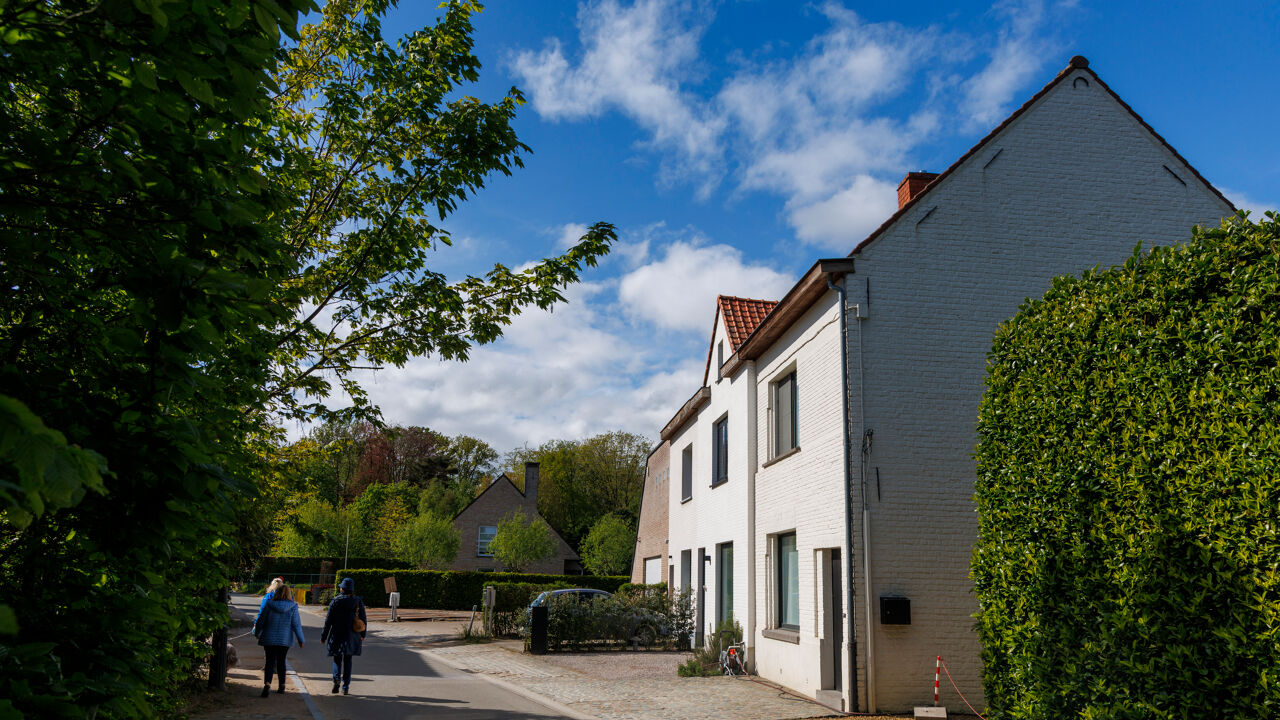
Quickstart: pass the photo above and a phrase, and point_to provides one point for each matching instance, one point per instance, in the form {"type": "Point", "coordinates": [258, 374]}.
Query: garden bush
{"type": "Point", "coordinates": [450, 590]}
{"type": "Point", "coordinates": [1128, 559]}
{"type": "Point", "coordinates": [648, 618]}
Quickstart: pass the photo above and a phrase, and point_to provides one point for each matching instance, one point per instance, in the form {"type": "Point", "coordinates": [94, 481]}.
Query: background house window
{"type": "Point", "coordinates": [788, 583]}
{"type": "Point", "coordinates": [785, 415]}
{"type": "Point", "coordinates": [686, 569]}
{"type": "Point", "coordinates": [720, 452]}
{"type": "Point", "coordinates": [686, 473]}
{"type": "Point", "coordinates": [482, 542]}
{"type": "Point", "coordinates": [724, 582]}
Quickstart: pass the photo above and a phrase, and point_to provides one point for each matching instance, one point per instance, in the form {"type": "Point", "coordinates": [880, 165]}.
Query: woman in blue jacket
{"type": "Point", "coordinates": [344, 641]}
{"type": "Point", "coordinates": [279, 628]}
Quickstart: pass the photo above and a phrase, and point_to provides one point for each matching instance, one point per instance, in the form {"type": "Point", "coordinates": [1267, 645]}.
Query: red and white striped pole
{"type": "Point", "coordinates": [937, 670]}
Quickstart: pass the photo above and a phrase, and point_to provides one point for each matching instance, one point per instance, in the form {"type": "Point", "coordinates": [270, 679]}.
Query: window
{"type": "Point", "coordinates": [724, 582]}
{"type": "Point", "coordinates": [686, 569]}
{"type": "Point", "coordinates": [785, 415]}
{"type": "Point", "coordinates": [788, 582]}
{"type": "Point", "coordinates": [686, 473]}
{"type": "Point", "coordinates": [719, 358]}
{"type": "Point", "coordinates": [720, 452]}
{"type": "Point", "coordinates": [482, 542]}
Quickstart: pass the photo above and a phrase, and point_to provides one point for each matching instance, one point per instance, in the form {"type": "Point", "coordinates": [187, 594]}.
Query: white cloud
{"type": "Point", "coordinates": [678, 291]}
{"type": "Point", "coordinates": [844, 219]}
{"type": "Point", "coordinates": [853, 106]}
{"type": "Point", "coordinates": [569, 234]}
{"type": "Point", "coordinates": [1256, 207]}
{"type": "Point", "coordinates": [1018, 56]}
{"type": "Point", "coordinates": [633, 61]}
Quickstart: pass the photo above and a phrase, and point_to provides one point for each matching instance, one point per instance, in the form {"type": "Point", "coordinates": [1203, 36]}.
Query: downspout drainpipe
{"type": "Point", "coordinates": [752, 421]}
{"type": "Point", "coordinates": [851, 671]}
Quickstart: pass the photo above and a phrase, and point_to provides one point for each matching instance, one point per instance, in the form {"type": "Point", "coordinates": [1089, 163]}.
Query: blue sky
{"type": "Point", "coordinates": [734, 143]}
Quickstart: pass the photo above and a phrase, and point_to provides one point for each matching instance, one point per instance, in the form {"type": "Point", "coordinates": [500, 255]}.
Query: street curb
{"type": "Point", "coordinates": [302, 689]}
{"type": "Point", "coordinates": [512, 687]}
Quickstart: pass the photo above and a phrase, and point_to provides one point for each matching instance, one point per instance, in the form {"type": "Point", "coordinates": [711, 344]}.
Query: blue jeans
{"type": "Point", "coordinates": [342, 670]}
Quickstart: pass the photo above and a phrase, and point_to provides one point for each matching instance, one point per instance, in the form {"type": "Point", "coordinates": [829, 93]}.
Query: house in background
{"type": "Point", "coordinates": [650, 562]}
{"type": "Point", "coordinates": [825, 471]}
{"type": "Point", "coordinates": [478, 523]}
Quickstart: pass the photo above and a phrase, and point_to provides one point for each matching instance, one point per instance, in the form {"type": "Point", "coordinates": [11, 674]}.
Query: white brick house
{"type": "Point", "coordinates": [855, 502]}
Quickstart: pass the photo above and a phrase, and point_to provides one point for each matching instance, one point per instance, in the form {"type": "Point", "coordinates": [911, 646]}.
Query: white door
{"type": "Point", "coordinates": [653, 570]}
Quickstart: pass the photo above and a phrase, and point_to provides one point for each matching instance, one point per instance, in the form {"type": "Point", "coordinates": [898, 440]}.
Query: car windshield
{"type": "Point", "coordinates": [538, 601]}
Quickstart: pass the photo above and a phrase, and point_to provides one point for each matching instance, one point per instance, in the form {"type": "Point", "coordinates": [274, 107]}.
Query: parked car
{"type": "Point", "coordinates": [579, 594]}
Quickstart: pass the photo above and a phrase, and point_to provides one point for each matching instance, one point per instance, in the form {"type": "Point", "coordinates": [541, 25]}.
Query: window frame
{"type": "Point", "coordinates": [720, 451]}
{"type": "Point", "coordinates": [482, 547]}
{"type": "Point", "coordinates": [686, 473]}
{"type": "Point", "coordinates": [775, 413]}
{"type": "Point", "coordinates": [783, 595]}
{"type": "Point", "coordinates": [724, 582]}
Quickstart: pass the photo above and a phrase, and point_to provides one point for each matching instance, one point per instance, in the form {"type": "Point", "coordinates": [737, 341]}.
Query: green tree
{"type": "Point", "coordinates": [428, 541]}
{"type": "Point", "coordinates": [582, 481]}
{"type": "Point", "coordinates": [318, 529]}
{"type": "Point", "coordinates": [378, 144]}
{"type": "Point", "coordinates": [609, 546]}
{"type": "Point", "coordinates": [1126, 562]}
{"type": "Point", "coordinates": [520, 542]}
{"type": "Point", "coordinates": [137, 265]}
{"type": "Point", "coordinates": [202, 225]}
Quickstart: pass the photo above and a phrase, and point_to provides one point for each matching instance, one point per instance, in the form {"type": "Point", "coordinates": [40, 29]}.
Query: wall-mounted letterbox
{"type": "Point", "coordinates": [895, 610]}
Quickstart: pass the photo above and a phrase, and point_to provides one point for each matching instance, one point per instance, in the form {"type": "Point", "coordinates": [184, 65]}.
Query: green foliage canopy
{"type": "Point", "coordinates": [428, 541]}
{"type": "Point", "coordinates": [1128, 560]}
{"type": "Point", "coordinates": [519, 541]}
{"type": "Point", "coordinates": [609, 547]}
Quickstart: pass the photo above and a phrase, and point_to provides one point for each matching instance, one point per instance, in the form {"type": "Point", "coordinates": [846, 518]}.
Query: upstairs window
{"type": "Point", "coordinates": [720, 452]}
{"type": "Point", "coordinates": [785, 415]}
{"type": "Point", "coordinates": [686, 473]}
{"type": "Point", "coordinates": [719, 358]}
{"type": "Point", "coordinates": [485, 537]}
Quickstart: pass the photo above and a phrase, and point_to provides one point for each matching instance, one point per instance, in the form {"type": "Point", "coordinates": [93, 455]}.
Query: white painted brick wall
{"type": "Point", "coordinates": [714, 515]}
{"type": "Point", "coordinates": [802, 492]}
{"type": "Point", "coordinates": [1078, 183]}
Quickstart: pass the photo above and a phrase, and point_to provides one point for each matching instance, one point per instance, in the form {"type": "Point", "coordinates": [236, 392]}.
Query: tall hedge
{"type": "Point", "coordinates": [1128, 559]}
{"type": "Point", "coordinates": [284, 565]}
{"type": "Point", "coordinates": [449, 590]}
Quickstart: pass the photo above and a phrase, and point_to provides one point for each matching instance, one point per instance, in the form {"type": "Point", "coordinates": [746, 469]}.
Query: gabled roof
{"type": "Point", "coordinates": [742, 316]}
{"type": "Point", "coordinates": [1078, 62]}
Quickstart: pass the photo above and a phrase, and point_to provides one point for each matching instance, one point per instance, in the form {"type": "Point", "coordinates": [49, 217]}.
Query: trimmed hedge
{"type": "Point", "coordinates": [1128, 558]}
{"type": "Point", "coordinates": [449, 590]}
{"type": "Point", "coordinates": [279, 565]}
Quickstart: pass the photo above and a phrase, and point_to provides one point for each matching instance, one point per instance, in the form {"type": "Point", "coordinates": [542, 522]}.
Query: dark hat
{"type": "Point", "coordinates": [347, 584]}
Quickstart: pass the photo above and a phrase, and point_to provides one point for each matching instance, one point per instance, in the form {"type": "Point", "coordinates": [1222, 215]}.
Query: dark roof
{"type": "Point", "coordinates": [1077, 62]}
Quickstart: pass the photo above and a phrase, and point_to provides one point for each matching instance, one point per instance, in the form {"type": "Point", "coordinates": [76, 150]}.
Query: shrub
{"type": "Point", "coordinates": [449, 590]}
{"type": "Point", "coordinates": [1126, 564]}
{"type": "Point", "coordinates": [649, 619]}
{"type": "Point", "coordinates": [608, 547]}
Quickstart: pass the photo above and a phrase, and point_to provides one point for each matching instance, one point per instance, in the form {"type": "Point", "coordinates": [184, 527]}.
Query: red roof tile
{"type": "Point", "coordinates": [742, 316]}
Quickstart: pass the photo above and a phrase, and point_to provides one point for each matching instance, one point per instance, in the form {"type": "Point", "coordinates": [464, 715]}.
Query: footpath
{"type": "Point", "coordinates": [621, 685]}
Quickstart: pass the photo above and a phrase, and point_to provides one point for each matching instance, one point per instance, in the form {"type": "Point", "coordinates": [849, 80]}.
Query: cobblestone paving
{"type": "Point", "coordinates": [611, 692]}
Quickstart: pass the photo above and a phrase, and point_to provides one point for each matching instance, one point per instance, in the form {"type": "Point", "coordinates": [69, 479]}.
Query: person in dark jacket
{"type": "Point", "coordinates": [279, 628]}
{"type": "Point", "coordinates": [342, 640]}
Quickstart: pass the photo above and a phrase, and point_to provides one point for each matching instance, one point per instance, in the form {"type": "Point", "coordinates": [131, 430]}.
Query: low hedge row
{"type": "Point", "coordinates": [281, 565]}
{"type": "Point", "coordinates": [449, 590]}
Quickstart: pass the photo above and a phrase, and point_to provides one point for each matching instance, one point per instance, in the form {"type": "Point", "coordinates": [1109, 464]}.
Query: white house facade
{"type": "Point", "coordinates": [855, 504]}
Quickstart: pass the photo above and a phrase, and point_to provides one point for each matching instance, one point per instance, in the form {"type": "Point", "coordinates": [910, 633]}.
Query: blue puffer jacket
{"type": "Point", "coordinates": [282, 624]}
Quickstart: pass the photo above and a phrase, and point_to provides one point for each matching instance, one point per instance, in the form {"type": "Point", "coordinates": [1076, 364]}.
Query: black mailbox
{"type": "Point", "coordinates": [538, 630]}
{"type": "Point", "coordinates": [895, 610]}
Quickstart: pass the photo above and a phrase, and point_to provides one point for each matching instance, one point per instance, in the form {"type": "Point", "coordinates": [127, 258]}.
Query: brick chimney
{"type": "Point", "coordinates": [911, 186]}
{"type": "Point", "coordinates": [531, 482]}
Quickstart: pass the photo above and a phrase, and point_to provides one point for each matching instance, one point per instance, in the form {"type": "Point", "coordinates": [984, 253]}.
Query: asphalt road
{"type": "Point", "coordinates": [391, 681]}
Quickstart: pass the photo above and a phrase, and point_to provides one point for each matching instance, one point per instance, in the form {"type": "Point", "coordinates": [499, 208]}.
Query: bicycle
{"type": "Point", "coordinates": [733, 659]}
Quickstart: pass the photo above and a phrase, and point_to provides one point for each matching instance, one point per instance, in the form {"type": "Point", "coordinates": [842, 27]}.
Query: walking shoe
{"type": "Point", "coordinates": [281, 688]}
{"type": "Point", "coordinates": [266, 690]}
{"type": "Point", "coordinates": [344, 691]}
{"type": "Point", "coordinates": [334, 691]}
